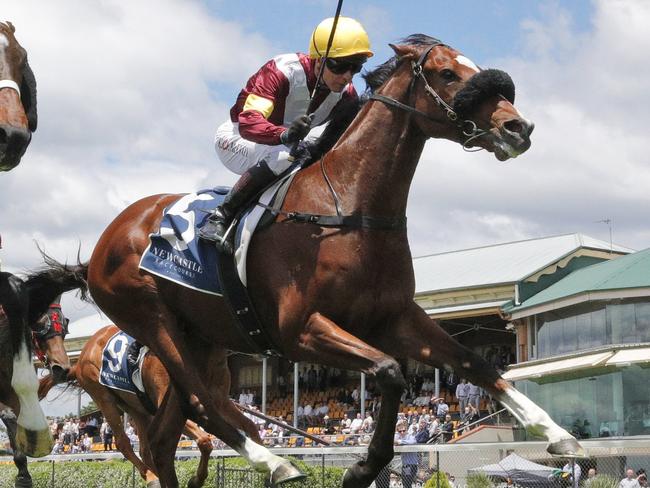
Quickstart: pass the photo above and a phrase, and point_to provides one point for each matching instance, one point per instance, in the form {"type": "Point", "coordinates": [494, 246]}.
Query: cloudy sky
{"type": "Point", "coordinates": [130, 93]}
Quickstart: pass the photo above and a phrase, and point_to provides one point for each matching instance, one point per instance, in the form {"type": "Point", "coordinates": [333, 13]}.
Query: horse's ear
{"type": "Point", "coordinates": [28, 96]}
{"type": "Point", "coordinates": [403, 51]}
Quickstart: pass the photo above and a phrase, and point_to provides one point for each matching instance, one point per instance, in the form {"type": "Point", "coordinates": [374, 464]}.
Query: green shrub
{"type": "Point", "coordinates": [119, 474]}
{"type": "Point", "coordinates": [479, 480]}
{"type": "Point", "coordinates": [434, 483]}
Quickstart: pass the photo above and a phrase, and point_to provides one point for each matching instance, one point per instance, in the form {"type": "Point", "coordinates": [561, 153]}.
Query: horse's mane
{"type": "Point", "coordinates": [377, 77]}
{"type": "Point", "coordinates": [344, 113]}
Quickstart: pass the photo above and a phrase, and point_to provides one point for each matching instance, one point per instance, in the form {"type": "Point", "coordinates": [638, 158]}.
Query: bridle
{"type": "Point", "coordinates": [468, 128]}
{"type": "Point", "coordinates": [54, 324]}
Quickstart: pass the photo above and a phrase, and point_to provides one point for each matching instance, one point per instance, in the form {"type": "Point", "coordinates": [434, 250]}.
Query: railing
{"type": "Point", "coordinates": [459, 462]}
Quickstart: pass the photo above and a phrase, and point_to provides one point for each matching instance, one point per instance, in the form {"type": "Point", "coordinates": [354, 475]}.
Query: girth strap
{"type": "Point", "coordinates": [241, 307]}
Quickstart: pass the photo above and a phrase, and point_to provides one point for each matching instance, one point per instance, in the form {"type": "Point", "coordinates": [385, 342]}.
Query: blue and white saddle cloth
{"type": "Point", "coordinates": [176, 253]}
{"type": "Point", "coordinates": [116, 371]}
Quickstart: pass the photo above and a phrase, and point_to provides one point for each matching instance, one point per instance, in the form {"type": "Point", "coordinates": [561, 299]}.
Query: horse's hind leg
{"type": "Point", "coordinates": [427, 342]}
{"type": "Point", "coordinates": [204, 443]}
{"type": "Point", "coordinates": [325, 342]}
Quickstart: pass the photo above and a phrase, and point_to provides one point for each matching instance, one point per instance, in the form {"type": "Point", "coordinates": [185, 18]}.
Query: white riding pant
{"type": "Point", "coordinates": [239, 154]}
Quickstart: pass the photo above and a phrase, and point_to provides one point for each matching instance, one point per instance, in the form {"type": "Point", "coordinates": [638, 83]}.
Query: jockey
{"type": "Point", "coordinates": [270, 113]}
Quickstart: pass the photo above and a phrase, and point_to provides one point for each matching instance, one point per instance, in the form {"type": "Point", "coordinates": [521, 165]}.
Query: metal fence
{"type": "Point", "coordinates": [508, 464]}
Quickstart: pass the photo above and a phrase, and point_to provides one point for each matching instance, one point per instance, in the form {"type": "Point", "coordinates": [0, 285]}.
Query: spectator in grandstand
{"type": "Point", "coordinates": [54, 429]}
{"type": "Point", "coordinates": [277, 433]}
{"type": "Point", "coordinates": [307, 412]}
{"type": "Point", "coordinates": [345, 424]}
{"type": "Point", "coordinates": [356, 425]}
{"type": "Point", "coordinates": [368, 425]}
{"type": "Point", "coordinates": [87, 443]}
{"type": "Point", "coordinates": [328, 426]}
{"type": "Point", "coordinates": [422, 434]}
{"type": "Point", "coordinates": [300, 415]}
{"type": "Point", "coordinates": [355, 395]}
{"type": "Point", "coordinates": [132, 435]}
{"type": "Point", "coordinates": [58, 447]}
{"type": "Point", "coordinates": [447, 429]}
{"type": "Point", "coordinates": [282, 386]}
{"type": "Point", "coordinates": [243, 398]}
{"type": "Point", "coordinates": [312, 379]}
{"type": "Point", "coordinates": [474, 395]}
{"type": "Point", "coordinates": [322, 410]}
{"type": "Point", "coordinates": [630, 481]}
{"type": "Point", "coordinates": [462, 394]}
{"type": "Point", "coordinates": [92, 427]}
{"type": "Point", "coordinates": [107, 435]}
{"type": "Point", "coordinates": [409, 459]}
{"type": "Point", "coordinates": [442, 408]}
{"type": "Point", "coordinates": [434, 429]}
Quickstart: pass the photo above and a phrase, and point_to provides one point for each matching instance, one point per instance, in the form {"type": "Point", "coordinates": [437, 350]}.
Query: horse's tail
{"type": "Point", "coordinates": [14, 301]}
{"type": "Point", "coordinates": [46, 383]}
{"type": "Point", "coordinates": [47, 283]}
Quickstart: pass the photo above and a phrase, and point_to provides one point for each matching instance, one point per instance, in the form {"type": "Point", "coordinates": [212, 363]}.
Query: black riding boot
{"type": "Point", "coordinates": [249, 185]}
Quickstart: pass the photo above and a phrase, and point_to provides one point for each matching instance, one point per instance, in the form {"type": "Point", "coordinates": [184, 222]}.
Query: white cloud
{"type": "Point", "coordinates": [586, 92]}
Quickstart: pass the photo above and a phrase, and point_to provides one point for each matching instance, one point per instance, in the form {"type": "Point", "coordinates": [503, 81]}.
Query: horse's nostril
{"type": "Point", "coordinates": [514, 126]}
{"type": "Point", "coordinates": [519, 126]}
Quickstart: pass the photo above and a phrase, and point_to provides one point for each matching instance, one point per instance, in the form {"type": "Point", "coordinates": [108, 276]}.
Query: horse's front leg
{"type": "Point", "coordinates": [325, 342]}
{"type": "Point", "coordinates": [425, 341]}
{"type": "Point", "coordinates": [23, 479]}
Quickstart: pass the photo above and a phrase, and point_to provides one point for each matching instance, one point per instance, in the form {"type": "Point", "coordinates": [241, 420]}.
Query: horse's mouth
{"type": "Point", "coordinates": [506, 144]}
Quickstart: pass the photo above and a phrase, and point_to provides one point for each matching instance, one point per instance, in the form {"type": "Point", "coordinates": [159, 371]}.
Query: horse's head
{"type": "Point", "coordinates": [48, 334]}
{"type": "Point", "coordinates": [17, 99]}
{"type": "Point", "coordinates": [456, 100]}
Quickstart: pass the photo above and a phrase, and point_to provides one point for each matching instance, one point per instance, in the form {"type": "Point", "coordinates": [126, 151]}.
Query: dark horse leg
{"type": "Point", "coordinates": [327, 343]}
{"type": "Point", "coordinates": [23, 479]}
{"type": "Point", "coordinates": [425, 341]}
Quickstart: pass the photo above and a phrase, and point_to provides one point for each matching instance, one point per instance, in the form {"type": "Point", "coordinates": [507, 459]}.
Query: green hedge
{"type": "Point", "coordinates": [119, 474]}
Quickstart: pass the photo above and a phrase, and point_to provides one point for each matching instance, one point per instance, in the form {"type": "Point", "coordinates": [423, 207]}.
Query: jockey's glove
{"type": "Point", "coordinates": [298, 129]}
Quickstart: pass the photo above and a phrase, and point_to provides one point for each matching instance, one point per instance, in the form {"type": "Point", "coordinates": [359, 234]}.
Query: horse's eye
{"type": "Point", "coordinates": [448, 75]}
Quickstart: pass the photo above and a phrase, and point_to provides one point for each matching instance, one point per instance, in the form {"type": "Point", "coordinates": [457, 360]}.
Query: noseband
{"type": "Point", "coordinates": [468, 128]}
{"type": "Point", "coordinates": [10, 84]}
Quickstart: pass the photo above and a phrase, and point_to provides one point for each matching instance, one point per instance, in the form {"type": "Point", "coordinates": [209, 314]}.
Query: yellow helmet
{"type": "Point", "coordinates": [350, 38]}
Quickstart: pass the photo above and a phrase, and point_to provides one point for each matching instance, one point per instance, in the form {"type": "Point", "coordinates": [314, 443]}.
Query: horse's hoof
{"type": "Point", "coordinates": [153, 484]}
{"type": "Point", "coordinates": [286, 472]}
{"type": "Point", "coordinates": [23, 482]}
{"type": "Point", "coordinates": [194, 483]}
{"type": "Point", "coordinates": [352, 480]}
{"type": "Point", "coordinates": [566, 448]}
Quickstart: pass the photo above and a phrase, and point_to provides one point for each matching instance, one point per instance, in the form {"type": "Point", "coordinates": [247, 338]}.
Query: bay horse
{"type": "Point", "coordinates": [112, 402]}
{"type": "Point", "coordinates": [339, 295]}
{"type": "Point", "coordinates": [19, 408]}
{"type": "Point", "coordinates": [18, 118]}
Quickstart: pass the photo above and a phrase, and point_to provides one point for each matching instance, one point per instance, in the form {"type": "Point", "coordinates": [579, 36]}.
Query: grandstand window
{"type": "Point", "coordinates": [591, 325]}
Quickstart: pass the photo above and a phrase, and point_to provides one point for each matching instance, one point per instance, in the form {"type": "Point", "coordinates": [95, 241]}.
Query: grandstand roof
{"type": "Point", "coordinates": [626, 273]}
{"type": "Point", "coordinates": [500, 263]}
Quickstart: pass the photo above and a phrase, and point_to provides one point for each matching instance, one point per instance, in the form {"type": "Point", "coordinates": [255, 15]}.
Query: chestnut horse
{"type": "Point", "coordinates": [340, 295]}
{"type": "Point", "coordinates": [28, 433]}
{"type": "Point", "coordinates": [113, 402]}
{"type": "Point", "coordinates": [17, 99]}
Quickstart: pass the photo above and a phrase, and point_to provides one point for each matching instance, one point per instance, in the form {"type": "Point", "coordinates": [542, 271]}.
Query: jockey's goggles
{"type": "Point", "coordinates": [340, 67]}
